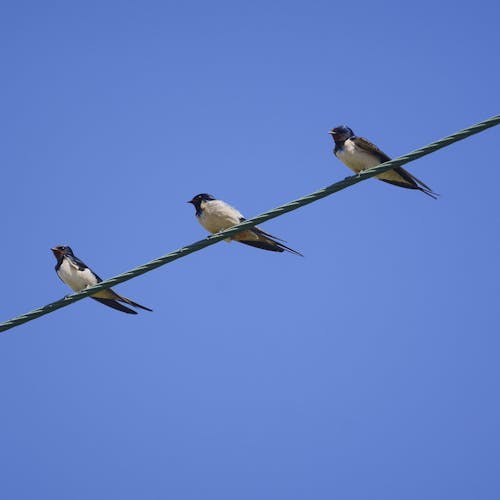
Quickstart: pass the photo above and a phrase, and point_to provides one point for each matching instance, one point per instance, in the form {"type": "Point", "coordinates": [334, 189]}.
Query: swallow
{"type": "Point", "coordinates": [78, 276]}
{"type": "Point", "coordinates": [359, 154]}
{"type": "Point", "coordinates": [216, 215]}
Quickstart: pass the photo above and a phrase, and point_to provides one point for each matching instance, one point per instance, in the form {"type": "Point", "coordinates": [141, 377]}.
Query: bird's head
{"type": "Point", "coordinates": [199, 199]}
{"type": "Point", "coordinates": [341, 133]}
{"type": "Point", "coordinates": [60, 251]}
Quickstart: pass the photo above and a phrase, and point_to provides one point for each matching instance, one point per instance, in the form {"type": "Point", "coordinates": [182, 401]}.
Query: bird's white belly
{"type": "Point", "coordinates": [75, 279]}
{"type": "Point", "coordinates": [217, 216]}
{"type": "Point", "coordinates": [356, 159]}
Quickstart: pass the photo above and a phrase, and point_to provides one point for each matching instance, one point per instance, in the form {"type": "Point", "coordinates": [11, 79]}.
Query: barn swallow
{"type": "Point", "coordinates": [78, 276]}
{"type": "Point", "coordinates": [359, 154]}
{"type": "Point", "coordinates": [216, 215]}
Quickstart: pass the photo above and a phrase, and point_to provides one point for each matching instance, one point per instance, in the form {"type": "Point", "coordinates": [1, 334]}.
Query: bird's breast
{"type": "Point", "coordinates": [217, 216]}
{"type": "Point", "coordinates": [77, 280]}
{"type": "Point", "coordinates": [356, 158]}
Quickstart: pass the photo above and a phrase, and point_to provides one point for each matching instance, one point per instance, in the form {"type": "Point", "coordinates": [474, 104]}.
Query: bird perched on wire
{"type": "Point", "coordinates": [216, 215]}
{"type": "Point", "coordinates": [359, 154]}
{"type": "Point", "coordinates": [78, 276]}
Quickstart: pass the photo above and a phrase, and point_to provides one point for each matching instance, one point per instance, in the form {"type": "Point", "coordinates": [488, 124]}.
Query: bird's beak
{"type": "Point", "coordinates": [56, 251]}
{"type": "Point", "coordinates": [190, 201]}
{"type": "Point", "coordinates": [331, 132]}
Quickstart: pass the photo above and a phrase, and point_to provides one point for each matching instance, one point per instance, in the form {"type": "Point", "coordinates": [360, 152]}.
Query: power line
{"type": "Point", "coordinates": [271, 214]}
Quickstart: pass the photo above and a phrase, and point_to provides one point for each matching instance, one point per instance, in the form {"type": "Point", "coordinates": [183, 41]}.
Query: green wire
{"type": "Point", "coordinates": [271, 214]}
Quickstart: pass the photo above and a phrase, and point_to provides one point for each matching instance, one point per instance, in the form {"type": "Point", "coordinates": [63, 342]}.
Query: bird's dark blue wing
{"type": "Point", "coordinates": [369, 147]}
{"type": "Point", "coordinates": [82, 266]}
{"type": "Point", "coordinates": [77, 262]}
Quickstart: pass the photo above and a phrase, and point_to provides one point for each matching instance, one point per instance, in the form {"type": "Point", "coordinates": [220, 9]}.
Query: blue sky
{"type": "Point", "coordinates": [367, 369]}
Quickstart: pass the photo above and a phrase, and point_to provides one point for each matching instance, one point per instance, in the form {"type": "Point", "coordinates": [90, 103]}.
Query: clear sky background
{"type": "Point", "coordinates": [367, 369]}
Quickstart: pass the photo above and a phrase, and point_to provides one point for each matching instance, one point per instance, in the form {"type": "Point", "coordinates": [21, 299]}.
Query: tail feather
{"type": "Point", "coordinates": [134, 304]}
{"type": "Point", "coordinates": [266, 241]}
{"type": "Point", "coordinates": [263, 245]}
{"type": "Point", "coordinates": [114, 305]}
{"type": "Point", "coordinates": [411, 182]}
{"type": "Point", "coordinates": [110, 295]}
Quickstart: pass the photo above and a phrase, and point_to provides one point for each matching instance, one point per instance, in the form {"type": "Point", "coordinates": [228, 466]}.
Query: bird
{"type": "Point", "coordinates": [216, 215]}
{"type": "Point", "coordinates": [78, 276]}
{"type": "Point", "coordinates": [360, 154]}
